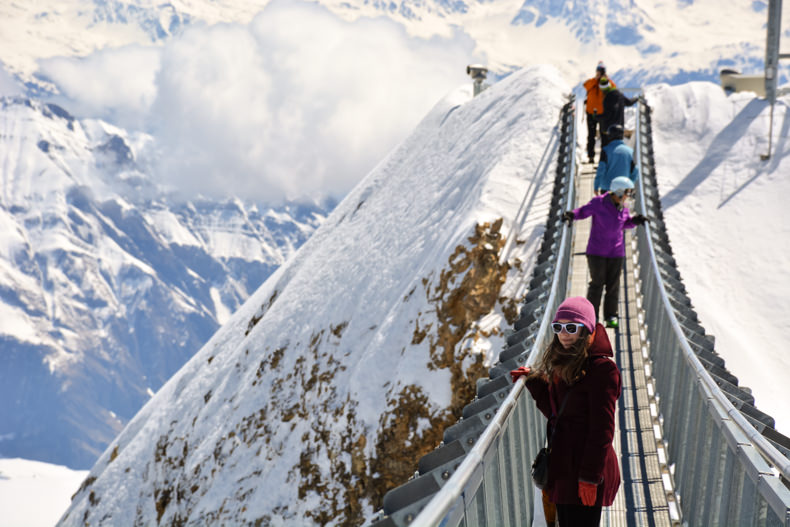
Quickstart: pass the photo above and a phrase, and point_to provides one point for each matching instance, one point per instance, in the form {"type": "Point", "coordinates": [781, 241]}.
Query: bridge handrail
{"type": "Point", "coordinates": [780, 462]}
{"type": "Point", "coordinates": [741, 454]}
{"type": "Point", "coordinates": [467, 477]}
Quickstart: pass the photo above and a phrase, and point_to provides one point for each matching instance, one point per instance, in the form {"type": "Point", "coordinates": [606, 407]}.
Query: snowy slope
{"type": "Point", "coordinates": [35, 494]}
{"type": "Point", "coordinates": [108, 284]}
{"type": "Point", "coordinates": [725, 210]}
{"type": "Point", "coordinates": [321, 391]}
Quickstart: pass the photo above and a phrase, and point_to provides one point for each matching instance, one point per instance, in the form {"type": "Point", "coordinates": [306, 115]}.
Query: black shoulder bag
{"type": "Point", "coordinates": [540, 467]}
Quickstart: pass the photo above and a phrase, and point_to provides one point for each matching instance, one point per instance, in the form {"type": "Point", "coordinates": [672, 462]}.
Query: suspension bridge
{"type": "Point", "coordinates": [693, 448]}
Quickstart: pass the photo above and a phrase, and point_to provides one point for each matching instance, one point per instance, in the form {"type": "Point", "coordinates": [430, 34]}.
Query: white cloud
{"type": "Point", "coordinates": [297, 104]}
{"type": "Point", "coordinates": [114, 84]}
{"type": "Point", "coordinates": [8, 84]}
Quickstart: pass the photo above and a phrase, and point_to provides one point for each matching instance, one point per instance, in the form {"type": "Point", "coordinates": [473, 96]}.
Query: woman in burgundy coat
{"type": "Point", "coordinates": [583, 472]}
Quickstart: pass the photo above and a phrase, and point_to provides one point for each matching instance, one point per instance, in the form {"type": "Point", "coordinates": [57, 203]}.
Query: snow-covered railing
{"type": "Point", "coordinates": [728, 467]}
{"type": "Point", "coordinates": [480, 473]}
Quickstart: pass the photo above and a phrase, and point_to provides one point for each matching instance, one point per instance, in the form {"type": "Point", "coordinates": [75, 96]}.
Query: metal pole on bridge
{"type": "Point", "coordinates": [772, 56]}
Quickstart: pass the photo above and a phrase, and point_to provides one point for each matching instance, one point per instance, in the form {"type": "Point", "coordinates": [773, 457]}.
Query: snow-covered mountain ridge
{"type": "Point", "coordinates": [362, 347]}
{"type": "Point", "coordinates": [108, 283]}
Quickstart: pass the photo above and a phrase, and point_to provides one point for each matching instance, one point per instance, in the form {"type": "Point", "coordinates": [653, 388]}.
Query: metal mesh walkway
{"type": "Point", "coordinates": [643, 496]}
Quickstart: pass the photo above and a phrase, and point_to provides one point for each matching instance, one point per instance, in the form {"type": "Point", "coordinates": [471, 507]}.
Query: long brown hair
{"type": "Point", "coordinates": [567, 364]}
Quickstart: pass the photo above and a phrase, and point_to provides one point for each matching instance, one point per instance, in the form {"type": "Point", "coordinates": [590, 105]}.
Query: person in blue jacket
{"type": "Point", "coordinates": [606, 246]}
{"type": "Point", "coordinates": [617, 159]}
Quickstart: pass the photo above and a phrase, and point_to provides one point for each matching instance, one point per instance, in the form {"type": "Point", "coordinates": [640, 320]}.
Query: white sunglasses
{"type": "Point", "coordinates": [570, 327]}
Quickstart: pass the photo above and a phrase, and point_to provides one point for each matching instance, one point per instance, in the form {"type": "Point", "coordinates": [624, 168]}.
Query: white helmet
{"type": "Point", "coordinates": [620, 184]}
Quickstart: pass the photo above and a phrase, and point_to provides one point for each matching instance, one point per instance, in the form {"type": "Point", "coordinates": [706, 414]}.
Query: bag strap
{"type": "Point", "coordinates": [562, 407]}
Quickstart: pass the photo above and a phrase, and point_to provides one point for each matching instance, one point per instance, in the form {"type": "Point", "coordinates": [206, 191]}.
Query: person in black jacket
{"type": "Point", "coordinates": [614, 103]}
{"type": "Point", "coordinates": [594, 106]}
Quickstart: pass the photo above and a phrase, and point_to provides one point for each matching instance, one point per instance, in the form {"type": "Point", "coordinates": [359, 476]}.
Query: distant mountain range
{"type": "Point", "coordinates": [108, 283]}
{"type": "Point", "coordinates": [642, 41]}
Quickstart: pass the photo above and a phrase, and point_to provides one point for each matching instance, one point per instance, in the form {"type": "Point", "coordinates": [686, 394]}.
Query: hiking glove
{"type": "Point", "coordinates": [639, 220]}
{"type": "Point", "coordinates": [519, 372]}
{"type": "Point", "coordinates": [588, 492]}
{"type": "Point", "coordinates": [568, 216]}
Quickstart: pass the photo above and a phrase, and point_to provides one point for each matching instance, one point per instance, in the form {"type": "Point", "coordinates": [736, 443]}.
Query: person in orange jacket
{"type": "Point", "coordinates": [594, 108]}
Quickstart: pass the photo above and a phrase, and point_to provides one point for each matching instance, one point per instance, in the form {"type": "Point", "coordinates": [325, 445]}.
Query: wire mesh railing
{"type": "Point", "coordinates": [730, 464]}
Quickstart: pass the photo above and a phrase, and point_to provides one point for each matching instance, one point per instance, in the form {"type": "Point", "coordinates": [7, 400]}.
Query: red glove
{"type": "Point", "coordinates": [519, 372]}
{"type": "Point", "coordinates": [588, 492]}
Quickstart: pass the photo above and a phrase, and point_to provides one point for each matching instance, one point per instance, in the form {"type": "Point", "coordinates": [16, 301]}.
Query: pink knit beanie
{"type": "Point", "coordinates": [577, 309]}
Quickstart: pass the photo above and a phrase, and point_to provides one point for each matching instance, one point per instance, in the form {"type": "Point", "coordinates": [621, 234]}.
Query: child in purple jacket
{"type": "Point", "coordinates": [606, 247]}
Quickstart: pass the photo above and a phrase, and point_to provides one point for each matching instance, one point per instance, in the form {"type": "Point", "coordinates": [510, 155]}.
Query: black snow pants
{"type": "Point", "coordinates": [578, 515]}
{"type": "Point", "coordinates": [604, 272]}
{"type": "Point", "coordinates": [592, 124]}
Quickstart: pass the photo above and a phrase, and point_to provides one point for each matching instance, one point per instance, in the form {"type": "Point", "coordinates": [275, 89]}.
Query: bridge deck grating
{"type": "Point", "coordinates": [642, 499]}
